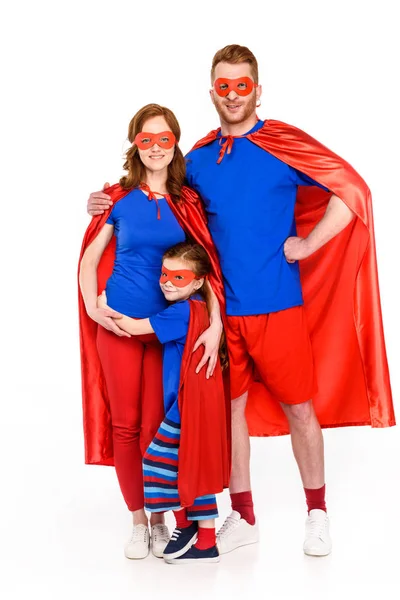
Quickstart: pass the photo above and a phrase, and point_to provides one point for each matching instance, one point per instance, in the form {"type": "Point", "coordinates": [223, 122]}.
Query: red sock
{"type": "Point", "coordinates": [181, 518]}
{"type": "Point", "coordinates": [205, 538]}
{"type": "Point", "coordinates": [243, 504]}
{"type": "Point", "coordinates": [315, 498]}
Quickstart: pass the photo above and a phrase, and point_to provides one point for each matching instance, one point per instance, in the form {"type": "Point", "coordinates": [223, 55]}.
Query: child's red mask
{"type": "Point", "coordinates": [165, 139]}
{"type": "Point", "coordinates": [179, 278]}
{"type": "Point", "coordinates": [242, 86]}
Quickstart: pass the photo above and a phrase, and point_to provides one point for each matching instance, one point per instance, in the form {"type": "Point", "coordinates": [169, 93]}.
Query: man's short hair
{"type": "Point", "coordinates": [235, 54]}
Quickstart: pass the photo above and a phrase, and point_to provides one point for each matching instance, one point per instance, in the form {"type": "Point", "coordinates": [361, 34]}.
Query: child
{"type": "Point", "coordinates": [187, 463]}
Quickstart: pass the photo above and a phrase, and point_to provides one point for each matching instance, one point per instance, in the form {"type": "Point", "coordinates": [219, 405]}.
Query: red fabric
{"type": "Point", "coordinates": [132, 368]}
{"type": "Point", "coordinates": [96, 416]}
{"type": "Point", "coordinates": [204, 464]}
{"type": "Point", "coordinates": [341, 294]}
{"type": "Point", "coordinates": [315, 498]}
{"type": "Point", "coordinates": [277, 349]}
{"type": "Point", "coordinates": [206, 538]}
{"type": "Point", "coordinates": [242, 502]}
{"type": "Point", "coordinates": [181, 518]}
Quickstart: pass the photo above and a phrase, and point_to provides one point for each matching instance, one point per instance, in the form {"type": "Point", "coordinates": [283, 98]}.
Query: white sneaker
{"type": "Point", "coordinates": [159, 539]}
{"type": "Point", "coordinates": [139, 544]}
{"type": "Point", "coordinates": [236, 532]}
{"type": "Point", "coordinates": [318, 541]}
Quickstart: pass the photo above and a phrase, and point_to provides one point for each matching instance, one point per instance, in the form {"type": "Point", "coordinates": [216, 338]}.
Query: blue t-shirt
{"type": "Point", "coordinates": [171, 327]}
{"type": "Point", "coordinates": [250, 199]}
{"type": "Point", "coordinates": [133, 288]}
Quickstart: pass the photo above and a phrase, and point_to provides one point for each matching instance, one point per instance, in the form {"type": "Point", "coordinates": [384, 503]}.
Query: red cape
{"type": "Point", "coordinates": [203, 453]}
{"type": "Point", "coordinates": [96, 415]}
{"type": "Point", "coordinates": [341, 294]}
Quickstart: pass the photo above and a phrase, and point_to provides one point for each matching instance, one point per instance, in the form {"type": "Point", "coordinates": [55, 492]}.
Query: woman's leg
{"type": "Point", "coordinates": [122, 360]}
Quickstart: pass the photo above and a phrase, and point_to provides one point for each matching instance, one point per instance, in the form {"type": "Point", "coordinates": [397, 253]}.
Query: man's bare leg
{"type": "Point", "coordinates": [308, 449]}
{"type": "Point", "coordinates": [307, 443]}
{"type": "Point", "coordinates": [240, 473]}
{"type": "Point", "coordinates": [240, 528]}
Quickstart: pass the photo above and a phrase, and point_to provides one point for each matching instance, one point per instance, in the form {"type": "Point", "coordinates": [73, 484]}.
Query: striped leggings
{"type": "Point", "coordinates": [160, 476]}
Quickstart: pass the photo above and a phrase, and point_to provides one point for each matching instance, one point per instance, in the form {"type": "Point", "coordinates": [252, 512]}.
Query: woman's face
{"type": "Point", "coordinates": [156, 158]}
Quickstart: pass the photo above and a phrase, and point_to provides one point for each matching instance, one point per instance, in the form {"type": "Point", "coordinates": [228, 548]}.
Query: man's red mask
{"type": "Point", "coordinates": [165, 139]}
{"type": "Point", "coordinates": [242, 86]}
{"type": "Point", "coordinates": [179, 278]}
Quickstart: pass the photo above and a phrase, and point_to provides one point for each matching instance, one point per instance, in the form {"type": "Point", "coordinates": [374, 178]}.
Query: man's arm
{"type": "Point", "coordinates": [337, 216]}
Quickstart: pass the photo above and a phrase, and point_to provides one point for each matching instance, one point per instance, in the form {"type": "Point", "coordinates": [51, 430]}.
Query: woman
{"type": "Point", "coordinates": [122, 375]}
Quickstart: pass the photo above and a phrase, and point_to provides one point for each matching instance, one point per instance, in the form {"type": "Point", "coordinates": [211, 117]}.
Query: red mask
{"type": "Point", "coordinates": [242, 86]}
{"type": "Point", "coordinates": [180, 278]}
{"type": "Point", "coordinates": [165, 139]}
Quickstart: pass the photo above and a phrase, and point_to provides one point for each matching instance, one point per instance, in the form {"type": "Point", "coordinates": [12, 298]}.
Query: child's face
{"type": "Point", "coordinates": [178, 281]}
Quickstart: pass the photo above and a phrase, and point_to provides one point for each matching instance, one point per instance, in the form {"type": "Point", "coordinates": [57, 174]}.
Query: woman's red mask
{"type": "Point", "coordinates": [165, 139]}
{"type": "Point", "coordinates": [179, 278]}
{"type": "Point", "coordinates": [242, 86]}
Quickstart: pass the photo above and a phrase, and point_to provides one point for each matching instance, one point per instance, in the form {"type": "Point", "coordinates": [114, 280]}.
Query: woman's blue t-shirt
{"type": "Point", "coordinates": [133, 288]}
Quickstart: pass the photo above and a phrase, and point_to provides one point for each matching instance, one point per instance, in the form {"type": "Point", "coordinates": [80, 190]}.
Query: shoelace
{"type": "Point", "coordinates": [139, 533]}
{"type": "Point", "coordinates": [316, 528]}
{"type": "Point", "coordinates": [230, 524]}
{"type": "Point", "coordinates": [175, 534]}
{"type": "Point", "coordinates": [161, 532]}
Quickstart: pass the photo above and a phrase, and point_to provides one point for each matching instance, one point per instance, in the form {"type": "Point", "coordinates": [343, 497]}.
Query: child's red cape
{"type": "Point", "coordinates": [96, 416]}
{"type": "Point", "coordinates": [204, 465]}
{"type": "Point", "coordinates": [341, 294]}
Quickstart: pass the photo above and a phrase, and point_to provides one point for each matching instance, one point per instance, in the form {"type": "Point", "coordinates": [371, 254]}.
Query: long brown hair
{"type": "Point", "coordinates": [133, 164]}
{"type": "Point", "coordinates": [233, 55]}
{"type": "Point", "coordinates": [199, 262]}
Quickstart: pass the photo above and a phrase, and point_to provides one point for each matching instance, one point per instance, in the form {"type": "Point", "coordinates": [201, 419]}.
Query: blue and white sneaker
{"type": "Point", "coordinates": [181, 540]}
{"type": "Point", "coordinates": [194, 555]}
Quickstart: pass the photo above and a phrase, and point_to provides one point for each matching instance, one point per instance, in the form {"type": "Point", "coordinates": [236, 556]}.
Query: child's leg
{"type": "Point", "coordinates": [204, 511]}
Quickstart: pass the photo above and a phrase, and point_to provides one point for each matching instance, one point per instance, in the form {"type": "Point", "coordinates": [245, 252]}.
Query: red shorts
{"type": "Point", "coordinates": [274, 348]}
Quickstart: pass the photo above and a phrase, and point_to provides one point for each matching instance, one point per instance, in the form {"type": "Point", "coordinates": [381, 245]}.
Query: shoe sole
{"type": "Point", "coordinates": [190, 543]}
{"type": "Point", "coordinates": [316, 553]}
{"type": "Point", "coordinates": [138, 557]}
{"type": "Point", "coordinates": [236, 547]}
{"type": "Point", "coordinates": [159, 554]}
{"type": "Point", "coordinates": [188, 561]}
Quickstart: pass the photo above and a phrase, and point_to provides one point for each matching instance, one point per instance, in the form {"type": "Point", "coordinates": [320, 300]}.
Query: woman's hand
{"type": "Point", "coordinates": [210, 339]}
{"type": "Point", "coordinates": [104, 316]}
{"type": "Point", "coordinates": [102, 300]}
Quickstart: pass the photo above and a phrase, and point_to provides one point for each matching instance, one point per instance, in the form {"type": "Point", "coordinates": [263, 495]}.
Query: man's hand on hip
{"type": "Point", "coordinates": [296, 248]}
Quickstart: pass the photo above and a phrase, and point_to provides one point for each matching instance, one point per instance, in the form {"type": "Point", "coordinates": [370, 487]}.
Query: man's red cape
{"type": "Point", "coordinates": [204, 465]}
{"type": "Point", "coordinates": [96, 415]}
{"type": "Point", "coordinates": [340, 290]}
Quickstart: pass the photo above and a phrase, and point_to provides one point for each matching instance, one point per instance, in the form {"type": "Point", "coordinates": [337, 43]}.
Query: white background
{"type": "Point", "coordinates": [73, 75]}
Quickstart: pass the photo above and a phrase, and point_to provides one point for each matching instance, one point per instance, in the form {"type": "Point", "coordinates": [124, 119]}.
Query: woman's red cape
{"type": "Point", "coordinates": [341, 294]}
{"type": "Point", "coordinates": [96, 415]}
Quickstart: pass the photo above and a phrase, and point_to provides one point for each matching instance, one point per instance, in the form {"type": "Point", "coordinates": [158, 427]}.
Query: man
{"type": "Point", "coordinates": [252, 177]}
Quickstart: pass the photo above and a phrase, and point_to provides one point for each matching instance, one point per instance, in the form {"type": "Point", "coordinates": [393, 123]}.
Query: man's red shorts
{"type": "Point", "coordinates": [275, 348]}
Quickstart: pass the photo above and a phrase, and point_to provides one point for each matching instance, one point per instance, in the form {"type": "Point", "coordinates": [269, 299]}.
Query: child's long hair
{"type": "Point", "coordinates": [199, 262]}
{"type": "Point", "coordinates": [134, 166]}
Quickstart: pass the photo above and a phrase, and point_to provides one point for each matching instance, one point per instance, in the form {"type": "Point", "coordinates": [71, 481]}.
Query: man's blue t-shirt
{"type": "Point", "coordinates": [133, 288]}
{"type": "Point", "coordinates": [250, 199]}
{"type": "Point", "coordinates": [171, 327]}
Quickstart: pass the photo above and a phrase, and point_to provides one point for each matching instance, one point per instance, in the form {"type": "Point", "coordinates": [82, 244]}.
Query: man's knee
{"type": "Point", "coordinates": [299, 415]}
{"type": "Point", "coordinates": [238, 405]}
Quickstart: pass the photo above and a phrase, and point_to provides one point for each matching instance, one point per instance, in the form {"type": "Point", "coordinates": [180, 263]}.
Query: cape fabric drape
{"type": "Point", "coordinates": [340, 290]}
{"type": "Point", "coordinates": [96, 414]}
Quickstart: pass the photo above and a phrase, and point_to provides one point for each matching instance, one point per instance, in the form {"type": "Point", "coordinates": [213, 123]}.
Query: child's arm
{"type": "Point", "coordinates": [132, 326]}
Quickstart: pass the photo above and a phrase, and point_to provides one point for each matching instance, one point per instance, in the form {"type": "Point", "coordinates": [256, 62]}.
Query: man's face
{"type": "Point", "coordinates": [235, 108]}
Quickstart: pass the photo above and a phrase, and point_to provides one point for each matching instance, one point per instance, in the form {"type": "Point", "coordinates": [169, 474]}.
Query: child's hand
{"type": "Point", "coordinates": [102, 300]}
